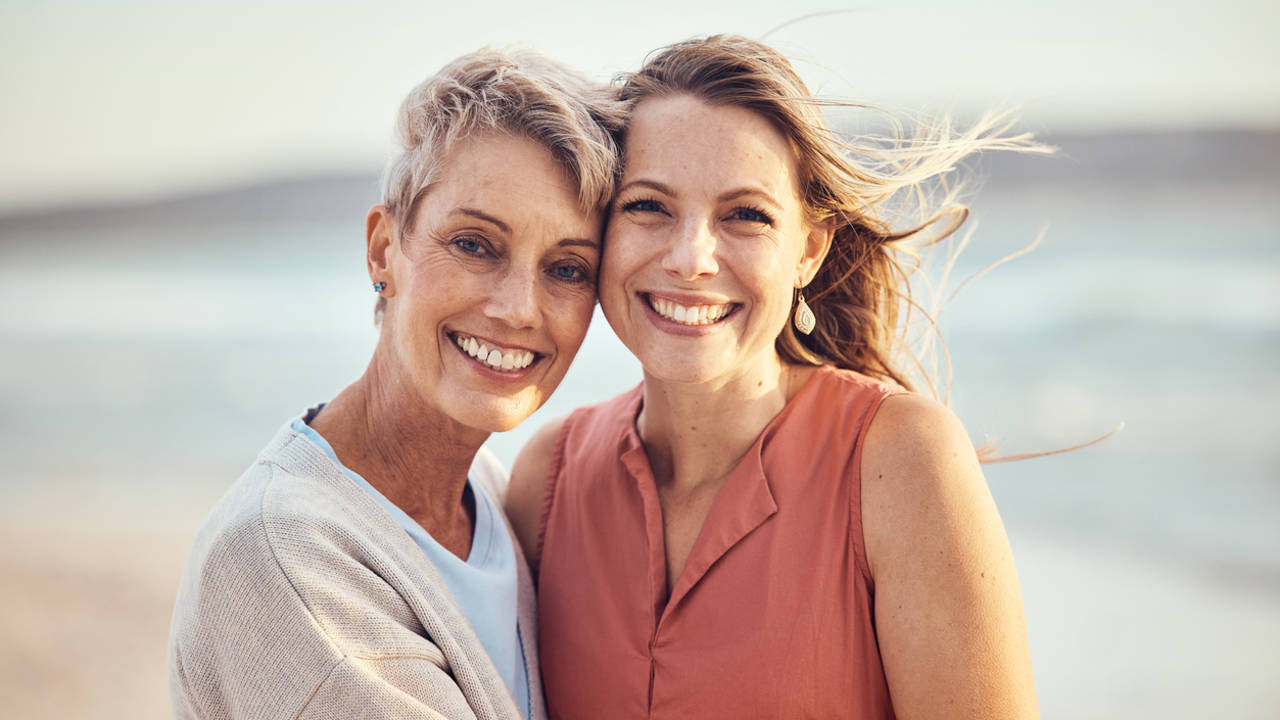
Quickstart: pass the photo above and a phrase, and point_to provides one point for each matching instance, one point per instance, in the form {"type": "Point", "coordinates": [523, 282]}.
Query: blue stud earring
{"type": "Point", "coordinates": [379, 286]}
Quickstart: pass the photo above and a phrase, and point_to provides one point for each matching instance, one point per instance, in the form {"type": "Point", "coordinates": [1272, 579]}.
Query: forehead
{"type": "Point", "coordinates": [510, 178]}
{"type": "Point", "coordinates": [490, 164]}
{"type": "Point", "coordinates": [688, 141]}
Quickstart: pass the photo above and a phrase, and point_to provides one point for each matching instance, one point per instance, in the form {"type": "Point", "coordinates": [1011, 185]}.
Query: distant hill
{"type": "Point", "coordinates": [1167, 158]}
{"type": "Point", "coordinates": [322, 197]}
{"type": "Point", "coordinates": [1193, 158]}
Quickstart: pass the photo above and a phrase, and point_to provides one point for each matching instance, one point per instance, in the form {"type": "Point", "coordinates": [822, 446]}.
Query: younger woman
{"type": "Point", "coordinates": [769, 526]}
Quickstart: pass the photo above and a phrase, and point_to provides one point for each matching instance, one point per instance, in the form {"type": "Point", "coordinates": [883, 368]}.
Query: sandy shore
{"type": "Point", "coordinates": [90, 578]}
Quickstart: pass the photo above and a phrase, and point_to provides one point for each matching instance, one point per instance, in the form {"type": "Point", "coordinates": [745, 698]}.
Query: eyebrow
{"type": "Point", "coordinates": [472, 212]}
{"type": "Point", "coordinates": [726, 197]}
{"type": "Point", "coordinates": [567, 242]}
{"type": "Point", "coordinates": [651, 184]}
{"type": "Point", "coordinates": [757, 192]}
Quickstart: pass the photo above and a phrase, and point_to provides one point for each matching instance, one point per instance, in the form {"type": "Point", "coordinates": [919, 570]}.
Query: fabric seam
{"type": "Point", "coordinates": [855, 505]}
{"type": "Point", "coordinates": [552, 482]}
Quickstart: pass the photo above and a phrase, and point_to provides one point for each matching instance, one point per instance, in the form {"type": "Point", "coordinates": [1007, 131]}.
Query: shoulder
{"type": "Point", "coordinates": [288, 536]}
{"type": "Point", "coordinates": [234, 596]}
{"type": "Point", "coordinates": [853, 392]}
{"type": "Point", "coordinates": [948, 609]}
{"type": "Point", "coordinates": [242, 534]}
{"type": "Point", "coordinates": [832, 410]}
{"type": "Point", "coordinates": [572, 440]}
{"type": "Point", "coordinates": [916, 430]}
{"type": "Point", "coordinates": [920, 472]}
{"type": "Point", "coordinates": [527, 490]}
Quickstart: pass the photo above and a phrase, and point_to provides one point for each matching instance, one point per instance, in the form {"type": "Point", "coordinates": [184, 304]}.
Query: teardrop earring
{"type": "Point", "coordinates": [804, 319]}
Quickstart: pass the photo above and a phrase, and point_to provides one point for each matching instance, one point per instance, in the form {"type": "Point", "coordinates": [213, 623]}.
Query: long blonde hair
{"type": "Point", "coordinates": [885, 200]}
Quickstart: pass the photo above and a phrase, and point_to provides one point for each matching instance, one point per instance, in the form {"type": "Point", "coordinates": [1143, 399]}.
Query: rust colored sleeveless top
{"type": "Point", "coordinates": [772, 616]}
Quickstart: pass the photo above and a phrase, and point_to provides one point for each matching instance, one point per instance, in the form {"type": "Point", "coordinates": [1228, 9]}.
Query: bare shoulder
{"type": "Point", "coordinates": [919, 472]}
{"type": "Point", "coordinates": [948, 607]}
{"type": "Point", "coordinates": [528, 486]}
{"type": "Point", "coordinates": [916, 430]}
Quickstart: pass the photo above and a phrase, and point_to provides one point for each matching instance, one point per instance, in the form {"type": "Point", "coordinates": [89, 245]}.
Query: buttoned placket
{"type": "Point", "coordinates": [743, 503]}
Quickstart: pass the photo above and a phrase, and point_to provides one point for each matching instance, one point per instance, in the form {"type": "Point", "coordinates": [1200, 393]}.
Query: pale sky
{"type": "Point", "coordinates": [146, 98]}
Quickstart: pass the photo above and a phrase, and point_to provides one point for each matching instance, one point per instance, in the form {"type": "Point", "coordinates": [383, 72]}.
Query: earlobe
{"type": "Point", "coordinates": [380, 236]}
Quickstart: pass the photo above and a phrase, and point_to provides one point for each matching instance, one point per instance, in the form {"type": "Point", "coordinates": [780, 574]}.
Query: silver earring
{"type": "Point", "coordinates": [805, 321]}
{"type": "Point", "coordinates": [379, 286]}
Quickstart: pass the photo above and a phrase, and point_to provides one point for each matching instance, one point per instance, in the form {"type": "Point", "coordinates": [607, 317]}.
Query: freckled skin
{"type": "Point", "coordinates": [730, 226]}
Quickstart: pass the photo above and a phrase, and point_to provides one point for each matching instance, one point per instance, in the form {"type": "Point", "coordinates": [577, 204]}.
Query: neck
{"type": "Point", "coordinates": [696, 433]}
{"type": "Point", "coordinates": [410, 452]}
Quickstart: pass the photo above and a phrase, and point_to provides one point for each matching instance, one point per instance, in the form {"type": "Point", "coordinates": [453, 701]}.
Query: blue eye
{"type": "Point", "coordinates": [647, 205]}
{"type": "Point", "coordinates": [569, 273]}
{"type": "Point", "coordinates": [469, 245]}
{"type": "Point", "coordinates": [751, 215]}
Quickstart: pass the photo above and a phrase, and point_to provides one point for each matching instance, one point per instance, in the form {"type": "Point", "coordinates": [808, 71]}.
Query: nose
{"type": "Point", "coordinates": [692, 253]}
{"type": "Point", "coordinates": [513, 300]}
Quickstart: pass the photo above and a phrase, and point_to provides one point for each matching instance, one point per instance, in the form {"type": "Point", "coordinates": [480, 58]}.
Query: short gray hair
{"type": "Point", "coordinates": [518, 91]}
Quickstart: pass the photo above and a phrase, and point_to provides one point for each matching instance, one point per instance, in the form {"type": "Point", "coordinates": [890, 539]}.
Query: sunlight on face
{"type": "Point", "coordinates": [494, 282]}
{"type": "Point", "coordinates": [705, 240]}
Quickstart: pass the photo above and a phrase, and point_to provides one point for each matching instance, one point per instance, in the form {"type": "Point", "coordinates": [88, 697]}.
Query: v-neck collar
{"type": "Point", "coordinates": [743, 503]}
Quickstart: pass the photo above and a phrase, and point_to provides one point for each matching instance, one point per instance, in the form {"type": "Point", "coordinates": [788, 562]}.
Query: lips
{"type": "Point", "coordinates": [495, 356]}
{"type": "Point", "coordinates": [691, 315]}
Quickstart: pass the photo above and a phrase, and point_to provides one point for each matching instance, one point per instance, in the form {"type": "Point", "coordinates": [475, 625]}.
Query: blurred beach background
{"type": "Point", "coordinates": [178, 183]}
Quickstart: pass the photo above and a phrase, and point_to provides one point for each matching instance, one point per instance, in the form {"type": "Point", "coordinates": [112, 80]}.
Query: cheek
{"type": "Point", "coordinates": [625, 255]}
{"type": "Point", "coordinates": [570, 321]}
{"type": "Point", "coordinates": [610, 264]}
{"type": "Point", "coordinates": [627, 246]}
{"type": "Point", "coordinates": [609, 283]}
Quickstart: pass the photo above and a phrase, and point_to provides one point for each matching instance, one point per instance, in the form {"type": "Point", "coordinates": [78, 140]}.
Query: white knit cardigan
{"type": "Point", "coordinates": [303, 598]}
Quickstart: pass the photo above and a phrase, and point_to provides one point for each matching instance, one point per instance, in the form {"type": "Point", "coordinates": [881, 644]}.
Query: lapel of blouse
{"type": "Point", "coordinates": [742, 504]}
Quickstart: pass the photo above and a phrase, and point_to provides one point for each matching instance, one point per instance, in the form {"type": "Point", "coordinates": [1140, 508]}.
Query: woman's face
{"type": "Point", "coordinates": [707, 239]}
{"type": "Point", "coordinates": [491, 289]}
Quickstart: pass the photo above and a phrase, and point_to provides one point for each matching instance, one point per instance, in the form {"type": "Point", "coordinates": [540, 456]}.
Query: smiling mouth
{"type": "Point", "coordinates": [493, 356]}
{"type": "Point", "coordinates": [691, 315]}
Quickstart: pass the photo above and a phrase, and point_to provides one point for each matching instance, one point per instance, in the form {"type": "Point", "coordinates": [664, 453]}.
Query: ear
{"type": "Point", "coordinates": [379, 237]}
{"type": "Point", "coordinates": [816, 246]}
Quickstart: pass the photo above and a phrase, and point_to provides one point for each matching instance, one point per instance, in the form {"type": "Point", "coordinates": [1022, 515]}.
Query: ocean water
{"type": "Point", "coordinates": [143, 351]}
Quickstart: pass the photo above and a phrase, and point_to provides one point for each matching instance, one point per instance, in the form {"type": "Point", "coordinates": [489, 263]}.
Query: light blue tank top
{"type": "Point", "coordinates": [484, 585]}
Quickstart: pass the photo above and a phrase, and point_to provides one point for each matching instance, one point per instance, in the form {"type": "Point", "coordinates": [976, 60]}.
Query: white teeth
{"type": "Point", "coordinates": [495, 357]}
{"type": "Point", "coordinates": [689, 315]}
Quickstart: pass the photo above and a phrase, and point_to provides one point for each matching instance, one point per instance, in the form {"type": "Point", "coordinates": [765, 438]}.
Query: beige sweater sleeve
{"type": "Point", "coordinates": [292, 606]}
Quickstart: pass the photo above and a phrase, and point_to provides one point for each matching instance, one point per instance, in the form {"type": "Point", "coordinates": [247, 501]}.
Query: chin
{"type": "Point", "coordinates": [495, 414]}
{"type": "Point", "coordinates": [504, 424]}
{"type": "Point", "coordinates": [682, 371]}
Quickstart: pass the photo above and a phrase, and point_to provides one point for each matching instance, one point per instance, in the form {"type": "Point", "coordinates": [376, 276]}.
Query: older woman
{"type": "Point", "coordinates": [362, 567]}
{"type": "Point", "coordinates": [768, 526]}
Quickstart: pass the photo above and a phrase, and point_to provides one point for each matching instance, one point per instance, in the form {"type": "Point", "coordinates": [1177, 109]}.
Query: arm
{"type": "Point", "coordinates": [948, 609]}
{"type": "Point", "coordinates": [527, 489]}
{"type": "Point", "coordinates": [387, 688]}
{"type": "Point", "coordinates": [282, 617]}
